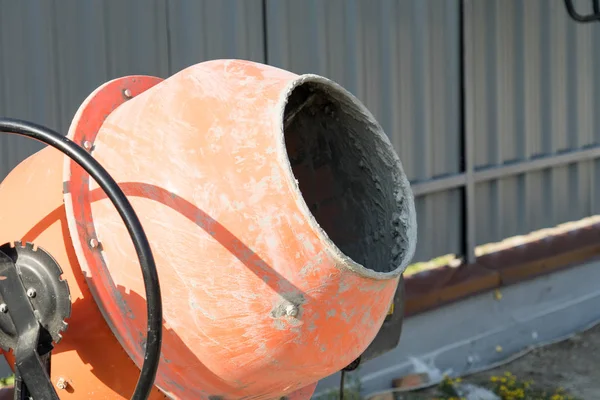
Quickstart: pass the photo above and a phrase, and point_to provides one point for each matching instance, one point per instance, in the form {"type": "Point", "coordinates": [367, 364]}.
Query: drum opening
{"type": "Point", "coordinates": [349, 175]}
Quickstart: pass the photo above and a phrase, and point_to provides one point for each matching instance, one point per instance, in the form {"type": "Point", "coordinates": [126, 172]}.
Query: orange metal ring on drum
{"type": "Point", "coordinates": [78, 202]}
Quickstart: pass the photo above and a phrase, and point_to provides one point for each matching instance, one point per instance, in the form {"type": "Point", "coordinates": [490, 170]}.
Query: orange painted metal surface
{"type": "Point", "coordinates": [258, 301]}
{"type": "Point", "coordinates": [89, 357]}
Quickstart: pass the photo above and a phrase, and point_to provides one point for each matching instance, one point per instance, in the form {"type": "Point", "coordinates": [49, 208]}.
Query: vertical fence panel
{"type": "Point", "coordinates": [203, 30]}
{"type": "Point", "coordinates": [401, 58]}
{"type": "Point", "coordinates": [535, 89]}
{"type": "Point", "coordinates": [60, 51]}
{"type": "Point", "coordinates": [28, 69]}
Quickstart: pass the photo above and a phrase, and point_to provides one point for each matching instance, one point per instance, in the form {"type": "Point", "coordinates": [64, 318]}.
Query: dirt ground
{"type": "Point", "coordinates": [573, 364]}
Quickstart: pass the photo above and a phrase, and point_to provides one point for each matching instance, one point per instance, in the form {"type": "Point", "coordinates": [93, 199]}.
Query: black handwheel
{"type": "Point", "coordinates": [134, 227]}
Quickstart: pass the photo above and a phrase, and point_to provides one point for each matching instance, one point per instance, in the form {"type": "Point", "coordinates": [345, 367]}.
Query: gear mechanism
{"type": "Point", "coordinates": [48, 293]}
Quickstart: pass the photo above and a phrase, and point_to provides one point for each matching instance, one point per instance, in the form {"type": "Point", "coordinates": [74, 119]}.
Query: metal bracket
{"type": "Point", "coordinates": [32, 351]}
{"type": "Point", "coordinates": [594, 16]}
{"type": "Point", "coordinates": [388, 337]}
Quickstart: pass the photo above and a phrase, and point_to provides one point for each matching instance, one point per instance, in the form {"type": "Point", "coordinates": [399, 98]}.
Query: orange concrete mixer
{"type": "Point", "coordinates": [279, 221]}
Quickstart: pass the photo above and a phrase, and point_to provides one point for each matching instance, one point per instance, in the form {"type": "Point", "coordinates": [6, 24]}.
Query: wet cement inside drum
{"type": "Point", "coordinates": [348, 177]}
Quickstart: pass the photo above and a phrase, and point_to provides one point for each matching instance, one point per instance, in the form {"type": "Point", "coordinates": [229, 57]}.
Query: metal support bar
{"type": "Point", "coordinates": [486, 174]}
{"type": "Point", "coordinates": [570, 157]}
{"type": "Point", "coordinates": [439, 184]}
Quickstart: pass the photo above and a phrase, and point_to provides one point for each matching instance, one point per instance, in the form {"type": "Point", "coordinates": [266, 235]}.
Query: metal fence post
{"type": "Point", "coordinates": [467, 130]}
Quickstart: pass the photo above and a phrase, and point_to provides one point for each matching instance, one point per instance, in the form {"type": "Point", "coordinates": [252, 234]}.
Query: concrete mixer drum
{"type": "Point", "coordinates": [281, 221]}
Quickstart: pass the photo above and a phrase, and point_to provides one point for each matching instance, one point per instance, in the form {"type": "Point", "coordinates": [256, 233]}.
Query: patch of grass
{"type": "Point", "coordinates": [7, 381]}
{"type": "Point", "coordinates": [507, 387]}
{"type": "Point", "coordinates": [452, 260]}
{"type": "Point", "coordinates": [428, 265]}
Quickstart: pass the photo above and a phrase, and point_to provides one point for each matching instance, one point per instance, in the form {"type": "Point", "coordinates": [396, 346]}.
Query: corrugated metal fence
{"type": "Point", "coordinates": [475, 94]}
